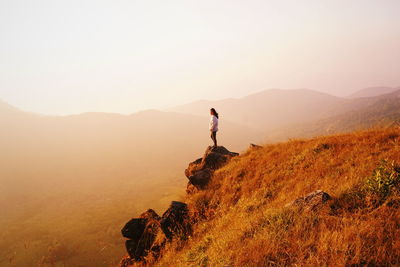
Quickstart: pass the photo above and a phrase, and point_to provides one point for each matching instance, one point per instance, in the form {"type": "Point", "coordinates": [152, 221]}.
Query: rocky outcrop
{"type": "Point", "coordinates": [311, 202]}
{"type": "Point", "coordinates": [149, 233]}
{"type": "Point", "coordinates": [199, 172]}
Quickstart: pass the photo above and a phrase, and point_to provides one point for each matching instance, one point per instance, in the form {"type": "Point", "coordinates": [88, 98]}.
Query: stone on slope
{"type": "Point", "coordinates": [216, 157]}
{"type": "Point", "coordinates": [141, 232]}
{"type": "Point", "coordinates": [254, 146]}
{"type": "Point", "coordinates": [312, 201]}
{"type": "Point", "coordinates": [193, 167]}
{"type": "Point", "coordinates": [175, 221]}
{"type": "Point", "coordinates": [199, 172]}
{"type": "Point", "coordinates": [201, 178]}
{"type": "Point", "coordinates": [134, 228]}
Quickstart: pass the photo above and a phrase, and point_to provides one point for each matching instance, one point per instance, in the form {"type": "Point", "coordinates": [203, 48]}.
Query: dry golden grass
{"type": "Point", "coordinates": [243, 222]}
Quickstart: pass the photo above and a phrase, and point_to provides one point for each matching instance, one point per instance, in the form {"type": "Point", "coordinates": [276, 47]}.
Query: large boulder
{"type": "Point", "coordinates": [199, 172]}
{"type": "Point", "coordinates": [311, 202]}
{"type": "Point", "coordinates": [141, 233]}
{"type": "Point", "coordinates": [216, 157]}
{"type": "Point", "coordinates": [193, 167]}
{"type": "Point", "coordinates": [201, 178]}
{"type": "Point", "coordinates": [134, 228]}
{"type": "Point", "coordinates": [175, 221]}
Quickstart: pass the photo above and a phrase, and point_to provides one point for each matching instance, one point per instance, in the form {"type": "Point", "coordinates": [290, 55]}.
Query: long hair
{"type": "Point", "coordinates": [214, 112]}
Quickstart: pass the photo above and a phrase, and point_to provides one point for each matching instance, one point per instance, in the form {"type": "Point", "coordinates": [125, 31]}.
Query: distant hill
{"type": "Point", "coordinates": [381, 111]}
{"type": "Point", "coordinates": [268, 109]}
{"type": "Point", "coordinates": [274, 109]}
{"type": "Point", "coordinates": [373, 91]}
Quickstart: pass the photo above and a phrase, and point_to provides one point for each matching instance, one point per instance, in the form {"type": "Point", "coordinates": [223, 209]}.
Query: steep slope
{"type": "Point", "coordinates": [64, 176]}
{"type": "Point", "coordinates": [243, 218]}
{"type": "Point", "coordinates": [373, 91]}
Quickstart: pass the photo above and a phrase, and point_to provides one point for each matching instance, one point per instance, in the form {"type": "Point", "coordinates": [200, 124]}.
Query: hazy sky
{"type": "Point", "coordinates": [61, 57]}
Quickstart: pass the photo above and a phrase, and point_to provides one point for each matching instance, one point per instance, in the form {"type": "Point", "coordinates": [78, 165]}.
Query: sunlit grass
{"type": "Point", "coordinates": [243, 221]}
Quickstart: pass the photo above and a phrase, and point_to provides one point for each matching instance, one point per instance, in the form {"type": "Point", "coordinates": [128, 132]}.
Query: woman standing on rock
{"type": "Point", "coordinates": [214, 125]}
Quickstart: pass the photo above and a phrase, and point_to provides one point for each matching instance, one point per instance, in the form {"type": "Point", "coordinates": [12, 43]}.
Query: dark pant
{"type": "Point", "coordinates": [214, 137]}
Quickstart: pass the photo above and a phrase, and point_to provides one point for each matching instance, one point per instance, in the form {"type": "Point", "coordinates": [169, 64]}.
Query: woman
{"type": "Point", "coordinates": [214, 125]}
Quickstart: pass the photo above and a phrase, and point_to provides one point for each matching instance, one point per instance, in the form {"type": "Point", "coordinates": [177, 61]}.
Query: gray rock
{"type": "Point", "coordinates": [200, 178]}
{"type": "Point", "coordinates": [134, 228]}
{"type": "Point", "coordinates": [311, 202]}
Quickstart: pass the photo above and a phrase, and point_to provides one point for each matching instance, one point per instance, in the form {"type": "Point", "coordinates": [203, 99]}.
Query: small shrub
{"type": "Point", "coordinates": [321, 147]}
{"type": "Point", "coordinates": [279, 221]}
{"type": "Point", "coordinates": [384, 181]}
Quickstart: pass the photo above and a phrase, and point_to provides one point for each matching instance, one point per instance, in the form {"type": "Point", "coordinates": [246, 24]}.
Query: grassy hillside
{"type": "Point", "coordinates": [244, 222]}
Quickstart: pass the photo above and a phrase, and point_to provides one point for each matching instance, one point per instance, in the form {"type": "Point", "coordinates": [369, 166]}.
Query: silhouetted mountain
{"type": "Point", "coordinates": [373, 91]}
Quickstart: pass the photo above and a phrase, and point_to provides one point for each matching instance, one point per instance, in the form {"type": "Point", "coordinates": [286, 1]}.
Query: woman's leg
{"type": "Point", "coordinates": [214, 137]}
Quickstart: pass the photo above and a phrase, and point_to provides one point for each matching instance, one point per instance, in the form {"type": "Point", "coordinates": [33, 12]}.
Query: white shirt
{"type": "Point", "coordinates": [213, 123]}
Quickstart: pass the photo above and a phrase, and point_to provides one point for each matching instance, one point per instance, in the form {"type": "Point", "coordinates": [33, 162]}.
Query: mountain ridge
{"type": "Point", "coordinates": [381, 111]}
{"type": "Point", "coordinates": [373, 91]}
{"type": "Point", "coordinates": [272, 109]}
